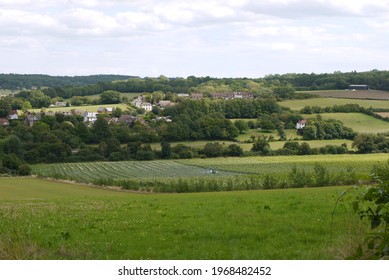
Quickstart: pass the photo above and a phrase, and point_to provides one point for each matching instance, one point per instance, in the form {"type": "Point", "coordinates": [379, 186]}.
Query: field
{"type": "Point", "coordinates": [358, 122]}
{"type": "Point", "coordinates": [192, 168]}
{"type": "Point", "coordinates": [297, 105]}
{"type": "Point", "coordinates": [51, 220]}
{"type": "Point", "coordinates": [362, 164]}
{"type": "Point", "coordinates": [89, 171]}
{"type": "Point", "coordinates": [358, 94]}
{"type": "Point", "coordinates": [89, 108]}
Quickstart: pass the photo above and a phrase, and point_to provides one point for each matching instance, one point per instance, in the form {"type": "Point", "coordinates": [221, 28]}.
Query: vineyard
{"type": "Point", "coordinates": [362, 164]}
{"type": "Point", "coordinates": [220, 174]}
{"type": "Point", "coordinates": [87, 172]}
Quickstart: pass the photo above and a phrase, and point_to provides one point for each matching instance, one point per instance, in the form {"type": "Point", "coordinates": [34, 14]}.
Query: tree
{"type": "Point", "coordinates": [281, 132]}
{"type": "Point", "coordinates": [101, 129]}
{"type": "Point", "coordinates": [367, 143]}
{"type": "Point", "coordinates": [166, 150]}
{"type": "Point", "coordinates": [310, 133]}
{"type": "Point", "coordinates": [261, 145]}
{"type": "Point", "coordinates": [234, 150]}
{"type": "Point", "coordinates": [214, 149]}
{"type": "Point", "coordinates": [241, 125]}
{"type": "Point", "coordinates": [110, 97]}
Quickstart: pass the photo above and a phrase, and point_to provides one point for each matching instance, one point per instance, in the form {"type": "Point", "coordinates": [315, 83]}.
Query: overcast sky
{"type": "Point", "coordinates": [218, 38]}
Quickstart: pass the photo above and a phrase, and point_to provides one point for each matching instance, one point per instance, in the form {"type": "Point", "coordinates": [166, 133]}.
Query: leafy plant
{"type": "Point", "coordinates": [373, 205]}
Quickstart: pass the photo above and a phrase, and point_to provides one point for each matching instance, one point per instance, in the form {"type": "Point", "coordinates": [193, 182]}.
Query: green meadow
{"type": "Point", "coordinates": [53, 220]}
{"type": "Point", "coordinates": [358, 122]}
{"type": "Point", "coordinates": [297, 105]}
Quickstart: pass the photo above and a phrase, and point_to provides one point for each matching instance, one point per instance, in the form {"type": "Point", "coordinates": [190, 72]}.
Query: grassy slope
{"type": "Point", "coordinates": [47, 220]}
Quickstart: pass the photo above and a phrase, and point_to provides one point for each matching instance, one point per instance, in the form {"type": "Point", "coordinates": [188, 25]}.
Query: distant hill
{"type": "Point", "coordinates": [31, 81]}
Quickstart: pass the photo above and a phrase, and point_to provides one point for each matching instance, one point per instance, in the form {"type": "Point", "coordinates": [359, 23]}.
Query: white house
{"type": "Point", "coordinates": [147, 106]}
{"type": "Point", "coordinates": [89, 117]}
{"type": "Point", "coordinates": [13, 115]}
{"type": "Point", "coordinates": [301, 124]}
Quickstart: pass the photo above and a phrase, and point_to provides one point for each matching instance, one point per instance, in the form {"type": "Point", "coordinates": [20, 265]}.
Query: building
{"type": "Point", "coordinates": [147, 106]}
{"type": "Point", "coordinates": [358, 87]}
{"type": "Point", "coordinates": [4, 122]}
{"type": "Point", "coordinates": [89, 117]}
{"type": "Point", "coordinates": [60, 104]}
{"type": "Point", "coordinates": [13, 115]}
{"type": "Point", "coordinates": [301, 124]}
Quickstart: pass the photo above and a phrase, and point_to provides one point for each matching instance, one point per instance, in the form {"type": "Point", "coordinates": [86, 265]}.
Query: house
{"type": "Point", "coordinates": [183, 95]}
{"type": "Point", "coordinates": [60, 104]}
{"type": "Point", "coordinates": [196, 96]}
{"type": "Point", "coordinates": [165, 103]}
{"type": "Point", "coordinates": [358, 87]}
{"type": "Point", "coordinates": [32, 118]}
{"type": "Point", "coordinates": [246, 95]}
{"type": "Point", "coordinates": [137, 103]}
{"type": "Point", "coordinates": [89, 117]}
{"type": "Point", "coordinates": [147, 107]}
{"type": "Point", "coordinates": [301, 124]}
{"type": "Point", "coordinates": [13, 115]}
{"type": "Point", "coordinates": [4, 122]}
{"type": "Point", "coordinates": [223, 95]}
{"type": "Point", "coordinates": [105, 110]}
{"type": "Point", "coordinates": [128, 119]}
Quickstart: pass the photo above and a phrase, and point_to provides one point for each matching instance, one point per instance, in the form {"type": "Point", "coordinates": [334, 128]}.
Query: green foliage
{"type": "Point", "coordinates": [110, 97]}
{"type": "Point", "coordinates": [261, 145]}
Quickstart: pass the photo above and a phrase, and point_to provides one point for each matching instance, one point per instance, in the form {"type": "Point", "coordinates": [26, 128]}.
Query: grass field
{"type": "Point", "coordinates": [358, 122]}
{"type": "Point", "coordinates": [358, 94]}
{"type": "Point", "coordinates": [297, 105]}
{"type": "Point", "coordinates": [89, 108]}
{"type": "Point", "coordinates": [51, 220]}
{"type": "Point", "coordinates": [129, 95]}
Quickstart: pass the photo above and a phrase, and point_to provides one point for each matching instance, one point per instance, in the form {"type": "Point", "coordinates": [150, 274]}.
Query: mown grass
{"type": "Point", "coordinates": [51, 220]}
{"type": "Point", "coordinates": [297, 105]}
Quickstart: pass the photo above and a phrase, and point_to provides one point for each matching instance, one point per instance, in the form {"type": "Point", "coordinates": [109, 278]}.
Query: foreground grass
{"type": "Point", "coordinates": [50, 220]}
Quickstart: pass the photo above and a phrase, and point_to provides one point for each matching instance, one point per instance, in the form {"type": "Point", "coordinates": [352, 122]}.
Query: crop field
{"type": "Point", "coordinates": [297, 105]}
{"type": "Point", "coordinates": [89, 171]}
{"type": "Point", "coordinates": [358, 94]}
{"type": "Point", "coordinates": [362, 164]}
{"type": "Point", "coordinates": [359, 122]}
{"type": "Point", "coordinates": [169, 172]}
{"type": "Point", "coordinates": [53, 220]}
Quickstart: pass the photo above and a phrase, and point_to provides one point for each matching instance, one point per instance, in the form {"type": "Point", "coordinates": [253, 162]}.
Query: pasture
{"type": "Point", "coordinates": [89, 108]}
{"type": "Point", "coordinates": [53, 220]}
{"type": "Point", "coordinates": [358, 122]}
{"type": "Point", "coordinates": [358, 94]}
{"type": "Point", "coordinates": [297, 105]}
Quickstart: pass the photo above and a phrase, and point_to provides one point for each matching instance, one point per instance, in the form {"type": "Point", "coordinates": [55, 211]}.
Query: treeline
{"type": "Point", "coordinates": [376, 79]}
{"type": "Point", "coordinates": [28, 81]}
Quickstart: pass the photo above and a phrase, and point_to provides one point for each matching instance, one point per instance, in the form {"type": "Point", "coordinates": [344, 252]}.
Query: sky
{"type": "Point", "coordinates": [217, 38]}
